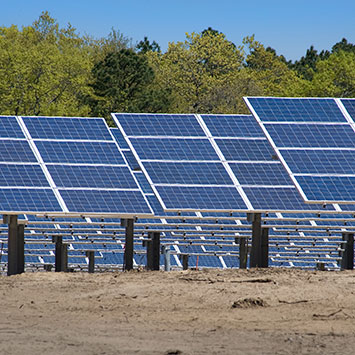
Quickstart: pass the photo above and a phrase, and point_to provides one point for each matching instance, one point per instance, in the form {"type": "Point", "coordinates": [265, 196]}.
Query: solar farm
{"type": "Point", "coordinates": [275, 188]}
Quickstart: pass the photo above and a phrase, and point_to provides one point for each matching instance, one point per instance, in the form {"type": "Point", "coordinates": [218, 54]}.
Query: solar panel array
{"type": "Point", "coordinates": [208, 162]}
{"type": "Point", "coordinates": [62, 164]}
{"type": "Point", "coordinates": [315, 140]}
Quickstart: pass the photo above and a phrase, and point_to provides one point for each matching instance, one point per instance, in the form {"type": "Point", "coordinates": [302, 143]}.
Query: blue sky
{"type": "Point", "coordinates": [288, 26]}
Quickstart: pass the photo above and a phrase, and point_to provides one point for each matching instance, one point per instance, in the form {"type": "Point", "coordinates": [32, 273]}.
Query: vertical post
{"type": "Point", "coordinates": [155, 237]}
{"type": "Point", "coordinates": [128, 252]}
{"type": "Point", "coordinates": [255, 253]}
{"type": "Point", "coordinates": [149, 253]}
{"type": "Point", "coordinates": [347, 260]}
{"type": "Point", "coordinates": [12, 245]}
{"type": "Point", "coordinates": [58, 240]}
{"type": "Point", "coordinates": [185, 261]}
{"type": "Point", "coordinates": [91, 256]}
{"type": "Point", "coordinates": [243, 252]}
{"type": "Point", "coordinates": [64, 257]}
{"type": "Point", "coordinates": [166, 252]}
{"type": "Point", "coordinates": [264, 261]}
{"type": "Point", "coordinates": [20, 248]}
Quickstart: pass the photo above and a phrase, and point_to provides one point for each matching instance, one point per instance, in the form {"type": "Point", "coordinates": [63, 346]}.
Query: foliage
{"type": "Point", "coordinates": [44, 70]}
{"type": "Point", "coordinates": [119, 80]}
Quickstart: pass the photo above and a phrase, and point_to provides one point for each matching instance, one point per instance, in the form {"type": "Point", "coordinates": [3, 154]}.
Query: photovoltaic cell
{"type": "Point", "coordinates": [174, 149]}
{"type": "Point", "coordinates": [126, 201]}
{"type": "Point", "coordinates": [16, 151]}
{"type": "Point", "coordinates": [188, 173]}
{"type": "Point", "coordinates": [109, 177]}
{"type": "Point", "coordinates": [9, 127]}
{"type": "Point", "coordinates": [286, 198]}
{"type": "Point", "coordinates": [261, 174]}
{"type": "Point", "coordinates": [311, 135]}
{"type": "Point", "coordinates": [233, 126]}
{"type": "Point", "coordinates": [160, 125]}
{"type": "Point", "coordinates": [349, 104]}
{"type": "Point", "coordinates": [297, 109]}
{"type": "Point", "coordinates": [17, 200]}
{"type": "Point", "coordinates": [320, 161]}
{"type": "Point", "coordinates": [328, 188]}
{"type": "Point", "coordinates": [21, 175]}
{"type": "Point", "coordinates": [79, 152]}
{"type": "Point", "coordinates": [119, 138]}
{"type": "Point", "coordinates": [199, 198]}
{"type": "Point", "coordinates": [67, 128]}
{"type": "Point", "coordinates": [245, 149]}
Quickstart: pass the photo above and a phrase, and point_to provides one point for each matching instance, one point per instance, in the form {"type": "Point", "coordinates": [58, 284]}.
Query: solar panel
{"type": "Point", "coordinates": [315, 140]}
{"type": "Point", "coordinates": [79, 152]}
{"type": "Point", "coordinates": [174, 149]}
{"type": "Point", "coordinates": [67, 128]}
{"type": "Point", "coordinates": [233, 157]}
{"type": "Point", "coordinates": [61, 164]}
{"type": "Point", "coordinates": [161, 125]}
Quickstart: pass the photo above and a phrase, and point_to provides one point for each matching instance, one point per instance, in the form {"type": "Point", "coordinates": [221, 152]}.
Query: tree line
{"type": "Point", "coordinates": [46, 69]}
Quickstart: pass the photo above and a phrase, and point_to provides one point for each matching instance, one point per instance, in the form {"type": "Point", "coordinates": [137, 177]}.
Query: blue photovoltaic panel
{"type": "Point", "coordinates": [311, 135]}
{"type": "Point", "coordinates": [160, 125]}
{"type": "Point", "coordinates": [260, 174]}
{"type": "Point", "coordinates": [109, 177]}
{"type": "Point", "coordinates": [245, 149]}
{"type": "Point", "coordinates": [324, 154]}
{"type": "Point", "coordinates": [297, 109]}
{"type": "Point", "coordinates": [286, 198]}
{"type": "Point", "coordinates": [67, 128]}
{"type": "Point", "coordinates": [233, 126]}
{"type": "Point", "coordinates": [349, 104]}
{"type": "Point", "coordinates": [119, 138]}
{"type": "Point", "coordinates": [199, 198]}
{"type": "Point", "coordinates": [320, 161]}
{"type": "Point", "coordinates": [174, 149]}
{"type": "Point", "coordinates": [143, 183]}
{"type": "Point", "coordinates": [16, 151]}
{"type": "Point", "coordinates": [188, 173]}
{"type": "Point", "coordinates": [79, 152]}
{"type": "Point", "coordinates": [9, 128]}
{"type": "Point", "coordinates": [328, 188]}
{"type": "Point", "coordinates": [126, 201]}
{"type": "Point", "coordinates": [131, 160]}
{"type": "Point", "coordinates": [27, 200]}
{"type": "Point", "coordinates": [22, 175]}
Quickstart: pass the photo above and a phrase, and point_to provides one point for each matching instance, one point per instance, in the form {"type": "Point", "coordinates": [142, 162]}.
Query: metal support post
{"type": "Point", "coordinates": [91, 256]}
{"type": "Point", "coordinates": [65, 257]}
{"type": "Point", "coordinates": [12, 244]}
{"type": "Point", "coordinates": [255, 253]}
{"type": "Point", "coordinates": [128, 252]}
{"type": "Point", "coordinates": [347, 260]}
{"type": "Point", "coordinates": [185, 261]}
{"type": "Point", "coordinates": [58, 240]}
{"type": "Point", "coordinates": [243, 251]}
{"type": "Point", "coordinates": [165, 249]}
{"type": "Point", "coordinates": [20, 248]}
{"type": "Point", "coordinates": [264, 248]}
{"type": "Point", "coordinates": [155, 250]}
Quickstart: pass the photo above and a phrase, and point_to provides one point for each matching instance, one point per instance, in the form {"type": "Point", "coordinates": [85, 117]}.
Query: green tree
{"type": "Point", "coordinates": [119, 82]}
{"type": "Point", "coordinates": [44, 70]}
{"type": "Point", "coordinates": [145, 46]}
{"type": "Point", "coordinates": [335, 76]}
{"type": "Point", "coordinates": [196, 70]}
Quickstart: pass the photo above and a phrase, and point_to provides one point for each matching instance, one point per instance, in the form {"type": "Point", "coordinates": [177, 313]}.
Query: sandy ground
{"type": "Point", "coordinates": [272, 311]}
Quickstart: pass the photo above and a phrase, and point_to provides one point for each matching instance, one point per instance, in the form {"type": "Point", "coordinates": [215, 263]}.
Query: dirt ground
{"type": "Point", "coordinates": [271, 311]}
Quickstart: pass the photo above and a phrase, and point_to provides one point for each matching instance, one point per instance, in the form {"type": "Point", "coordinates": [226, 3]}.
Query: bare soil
{"type": "Point", "coordinates": [271, 311]}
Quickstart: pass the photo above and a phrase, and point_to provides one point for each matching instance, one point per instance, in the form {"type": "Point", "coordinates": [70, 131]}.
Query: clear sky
{"type": "Point", "coordinates": [290, 27]}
